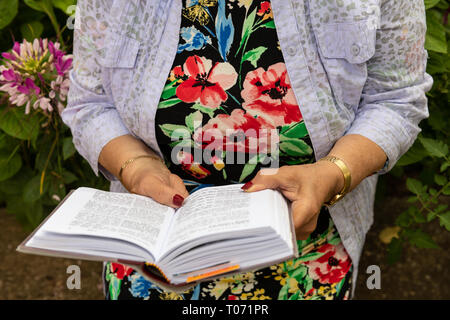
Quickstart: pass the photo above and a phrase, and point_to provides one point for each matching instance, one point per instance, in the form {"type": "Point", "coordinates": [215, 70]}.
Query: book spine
{"type": "Point", "coordinates": [160, 272]}
{"type": "Point", "coordinates": [212, 273]}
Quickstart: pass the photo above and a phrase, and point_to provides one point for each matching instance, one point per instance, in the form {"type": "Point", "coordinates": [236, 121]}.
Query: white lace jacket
{"type": "Point", "coordinates": [356, 66]}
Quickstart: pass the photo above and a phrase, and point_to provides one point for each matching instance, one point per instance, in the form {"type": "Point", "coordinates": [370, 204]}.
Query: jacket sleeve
{"type": "Point", "coordinates": [90, 112]}
{"type": "Point", "coordinates": [393, 99]}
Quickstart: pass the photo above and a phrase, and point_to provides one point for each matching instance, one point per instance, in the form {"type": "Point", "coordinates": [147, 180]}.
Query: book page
{"type": "Point", "coordinates": [123, 216]}
{"type": "Point", "coordinates": [220, 209]}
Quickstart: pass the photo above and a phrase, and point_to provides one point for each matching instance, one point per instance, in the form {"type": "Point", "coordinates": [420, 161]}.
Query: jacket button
{"type": "Point", "coordinates": [355, 49]}
{"type": "Point", "coordinates": [291, 51]}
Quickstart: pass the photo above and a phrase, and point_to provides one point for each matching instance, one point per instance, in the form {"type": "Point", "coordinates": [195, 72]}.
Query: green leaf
{"type": "Point", "coordinates": [394, 251]}
{"type": "Point", "coordinates": [446, 191]}
{"type": "Point", "coordinates": [3, 140]}
{"type": "Point", "coordinates": [435, 148]}
{"type": "Point", "coordinates": [284, 291]}
{"type": "Point", "coordinates": [32, 30]}
{"type": "Point", "coordinates": [44, 147]}
{"type": "Point", "coordinates": [437, 63]}
{"type": "Point", "coordinates": [38, 5]}
{"type": "Point", "coordinates": [431, 216]}
{"type": "Point", "coordinates": [420, 239]}
{"type": "Point", "coordinates": [56, 189]}
{"type": "Point", "coordinates": [435, 38]}
{"type": "Point", "coordinates": [194, 120]}
{"type": "Point", "coordinates": [175, 131]}
{"type": "Point", "coordinates": [440, 179]}
{"type": "Point", "coordinates": [35, 214]}
{"type": "Point", "coordinates": [404, 219]}
{"type": "Point", "coordinates": [248, 25]}
{"type": "Point", "coordinates": [298, 273]}
{"type": "Point", "coordinates": [431, 3]}
{"type": "Point", "coordinates": [296, 130]}
{"type": "Point", "coordinates": [269, 25]}
{"type": "Point", "coordinates": [440, 208]}
{"type": "Point", "coordinates": [169, 90]}
{"type": "Point", "coordinates": [248, 168]}
{"type": "Point", "coordinates": [246, 29]}
{"type": "Point", "coordinates": [444, 166]}
{"type": "Point", "coordinates": [296, 295]}
{"type": "Point", "coordinates": [17, 124]}
{"type": "Point", "coordinates": [68, 149]}
{"type": "Point", "coordinates": [8, 11]}
{"type": "Point", "coordinates": [14, 185]}
{"type": "Point", "coordinates": [31, 191]}
{"type": "Point", "coordinates": [310, 256]}
{"type": "Point", "coordinates": [295, 147]}
{"type": "Point", "coordinates": [10, 164]}
{"type": "Point", "coordinates": [26, 213]}
{"type": "Point", "coordinates": [419, 217]}
{"type": "Point", "coordinates": [182, 143]}
{"type": "Point", "coordinates": [203, 109]}
{"type": "Point", "coordinates": [414, 185]}
{"type": "Point", "coordinates": [68, 177]}
{"type": "Point", "coordinates": [415, 154]}
{"type": "Point", "coordinates": [444, 220]}
{"type": "Point", "coordinates": [168, 103]}
{"type": "Point", "coordinates": [253, 55]}
{"type": "Point", "coordinates": [64, 4]}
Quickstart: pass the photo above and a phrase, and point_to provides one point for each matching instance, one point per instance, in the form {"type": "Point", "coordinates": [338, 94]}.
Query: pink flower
{"type": "Point", "coordinates": [54, 50]}
{"type": "Point", "coordinates": [10, 76]}
{"type": "Point", "coordinates": [206, 82]}
{"type": "Point", "coordinates": [269, 95]}
{"type": "Point", "coordinates": [28, 87]}
{"type": "Point", "coordinates": [30, 70]}
{"type": "Point", "coordinates": [237, 132]}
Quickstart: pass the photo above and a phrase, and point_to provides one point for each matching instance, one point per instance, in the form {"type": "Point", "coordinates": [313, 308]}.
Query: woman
{"type": "Point", "coordinates": [313, 98]}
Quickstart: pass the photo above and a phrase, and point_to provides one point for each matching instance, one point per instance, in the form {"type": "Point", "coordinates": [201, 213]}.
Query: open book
{"type": "Point", "coordinates": [218, 230]}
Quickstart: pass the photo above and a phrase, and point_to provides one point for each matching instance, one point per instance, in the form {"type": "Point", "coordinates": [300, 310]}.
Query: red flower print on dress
{"type": "Point", "coordinates": [269, 95]}
{"type": "Point", "coordinates": [265, 10]}
{"type": "Point", "coordinates": [120, 270]}
{"type": "Point", "coordinates": [177, 73]}
{"type": "Point", "coordinates": [206, 82]}
{"type": "Point", "coordinates": [237, 132]}
{"type": "Point", "coordinates": [332, 266]}
{"type": "Point", "coordinates": [186, 160]}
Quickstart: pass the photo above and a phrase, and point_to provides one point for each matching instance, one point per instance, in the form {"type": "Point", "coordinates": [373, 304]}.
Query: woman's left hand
{"type": "Point", "coordinates": [307, 186]}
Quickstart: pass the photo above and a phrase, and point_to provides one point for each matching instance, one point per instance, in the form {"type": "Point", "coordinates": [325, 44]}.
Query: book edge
{"type": "Point", "coordinates": [22, 247]}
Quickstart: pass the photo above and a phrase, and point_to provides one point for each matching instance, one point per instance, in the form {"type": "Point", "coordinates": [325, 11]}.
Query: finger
{"type": "Point", "coordinates": [177, 183]}
{"type": "Point", "coordinates": [268, 178]}
{"type": "Point", "coordinates": [305, 231]}
{"type": "Point", "coordinates": [163, 193]}
{"type": "Point", "coordinates": [305, 217]}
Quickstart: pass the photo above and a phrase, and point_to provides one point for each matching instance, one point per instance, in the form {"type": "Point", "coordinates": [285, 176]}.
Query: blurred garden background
{"type": "Point", "coordinates": [409, 240]}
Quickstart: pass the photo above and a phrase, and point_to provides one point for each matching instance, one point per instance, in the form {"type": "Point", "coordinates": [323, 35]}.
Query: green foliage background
{"type": "Point", "coordinates": [37, 163]}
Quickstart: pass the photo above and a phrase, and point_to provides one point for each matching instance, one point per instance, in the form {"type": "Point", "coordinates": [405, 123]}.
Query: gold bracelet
{"type": "Point", "coordinates": [126, 163]}
{"type": "Point", "coordinates": [347, 178]}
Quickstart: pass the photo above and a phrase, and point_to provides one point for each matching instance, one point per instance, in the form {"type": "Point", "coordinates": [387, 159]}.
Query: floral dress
{"type": "Point", "coordinates": [226, 111]}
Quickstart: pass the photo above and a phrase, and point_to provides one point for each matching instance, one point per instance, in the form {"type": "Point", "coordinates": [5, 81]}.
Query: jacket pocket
{"type": "Point", "coordinates": [118, 60]}
{"type": "Point", "coordinates": [120, 51]}
{"type": "Point", "coordinates": [344, 48]}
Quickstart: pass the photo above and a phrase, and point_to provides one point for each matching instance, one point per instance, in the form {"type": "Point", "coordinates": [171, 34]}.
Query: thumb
{"type": "Point", "coordinates": [166, 194]}
{"type": "Point", "coordinates": [267, 178]}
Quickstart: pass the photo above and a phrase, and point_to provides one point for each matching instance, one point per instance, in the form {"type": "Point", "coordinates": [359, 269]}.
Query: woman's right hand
{"type": "Point", "coordinates": [150, 177]}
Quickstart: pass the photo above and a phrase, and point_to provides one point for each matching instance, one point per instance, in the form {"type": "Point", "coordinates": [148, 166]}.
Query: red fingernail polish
{"type": "Point", "coordinates": [247, 185]}
{"type": "Point", "coordinates": [177, 200]}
